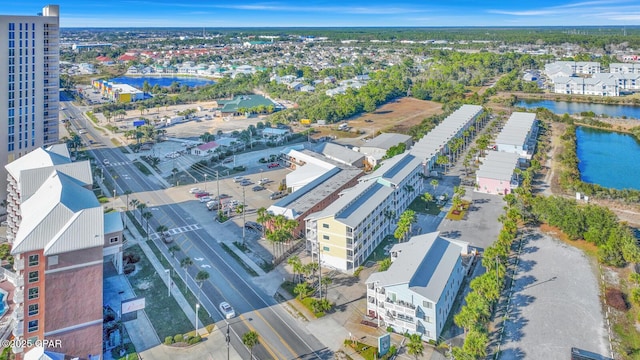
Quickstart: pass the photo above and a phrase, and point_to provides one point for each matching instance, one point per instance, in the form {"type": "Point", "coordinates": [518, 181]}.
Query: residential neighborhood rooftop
{"type": "Point", "coordinates": [498, 165]}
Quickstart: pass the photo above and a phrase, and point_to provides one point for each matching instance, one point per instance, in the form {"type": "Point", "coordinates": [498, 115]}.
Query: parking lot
{"type": "Point", "coordinates": [551, 309]}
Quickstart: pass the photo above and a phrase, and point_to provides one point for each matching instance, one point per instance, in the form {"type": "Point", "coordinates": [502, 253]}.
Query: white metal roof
{"type": "Point", "coordinates": [498, 165]}
{"type": "Point", "coordinates": [62, 216]}
{"type": "Point", "coordinates": [424, 263]}
{"type": "Point", "coordinates": [516, 129]}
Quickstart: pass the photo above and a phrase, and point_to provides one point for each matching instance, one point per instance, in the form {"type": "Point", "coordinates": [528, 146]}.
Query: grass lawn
{"type": "Point", "coordinates": [378, 253]}
{"type": "Point", "coordinates": [246, 267]}
{"type": "Point", "coordinates": [143, 169]}
{"type": "Point", "coordinates": [163, 311]}
{"type": "Point", "coordinates": [366, 351]}
{"type": "Point", "coordinates": [203, 315]}
{"type": "Point", "coordinates": [458, 214]}
{"type": "Point", "coordinates": [420, 206]}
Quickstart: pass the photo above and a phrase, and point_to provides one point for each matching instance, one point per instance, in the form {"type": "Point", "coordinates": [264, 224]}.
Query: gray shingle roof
{"type": "Point", "coordinates": [386, 140]}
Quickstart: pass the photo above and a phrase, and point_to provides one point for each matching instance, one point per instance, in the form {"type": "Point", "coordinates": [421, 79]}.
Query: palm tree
{"type": "Point", "coordinates": [294, 261]}
{"type": "Point", "coordinates": [250, 339]}
{"type": "Point", "coordinates": [147, 215]}
{"type": "Point", "coordinates": [415, 346]}
{"type": "Point", "coordinates": [185, 263]}
{"type": "Point", "coordinates": [127, 193]}
{"type": "Point", "coordinates": [434, 183]}
{"type": "Point", "coordinates": [302, 290]}
{"type": "Point", "coordinates": [134, 203]}
{"type": "Point", "coordinates": [263, 218]}
{"type": "Point", "coordinates": [174, 249]}
{"type": "Point", "coordinates": [427, 197]}
{"type": "Point", "coordinates": [201, 277]}
{"type": "Point", "coordinates": [141, 206]}
{"type": "Point", "coordinates": [326, 281]}
{"type": "Point", "coordinates": [443, 160]}
{"type": "Point", "coordinates": [174, 171]}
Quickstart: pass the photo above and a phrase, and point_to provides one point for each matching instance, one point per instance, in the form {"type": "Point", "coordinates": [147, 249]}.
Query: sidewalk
{"type": "Point", "coordinates": [213, 344]}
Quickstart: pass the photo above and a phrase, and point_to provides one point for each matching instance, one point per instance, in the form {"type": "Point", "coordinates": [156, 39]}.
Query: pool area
{"type": "Point", "coordinates": [162, 81]}
{"type": "Point", "coordinates": [3, 302]}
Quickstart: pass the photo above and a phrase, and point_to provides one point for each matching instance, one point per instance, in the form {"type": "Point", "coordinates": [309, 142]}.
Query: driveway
{"type": "Point", "coordinates": [554, 303]}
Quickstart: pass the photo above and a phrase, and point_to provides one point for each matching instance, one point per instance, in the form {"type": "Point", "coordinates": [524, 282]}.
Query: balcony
{"type": "Point", "coordinates": [18, 263]}
{"type": "Point", "coordinates": [18, 314]}
{"type": "Point", "coordinates": [18, 330]}
{"type": "Point", "coordinates": [400, 305]}
{"type": "Point", "coordinates": [18, 296]}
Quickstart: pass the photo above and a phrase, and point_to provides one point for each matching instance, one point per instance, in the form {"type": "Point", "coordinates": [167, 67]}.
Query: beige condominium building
{"type": "Point", "coordinates": [29, 95]}
{"type": "Point", "coordinates": [346, 232]}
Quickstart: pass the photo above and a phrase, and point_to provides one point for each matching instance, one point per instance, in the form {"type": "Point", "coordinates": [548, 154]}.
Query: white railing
{"type": "Point", "coordinates": [18, 263]}
{"type": "Point", "coordinates": [9, 275]}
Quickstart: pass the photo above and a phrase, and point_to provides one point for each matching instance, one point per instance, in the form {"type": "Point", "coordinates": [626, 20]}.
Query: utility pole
{"type": "Point", "coordinates": [244, 212]}
{"type": "Point", "coordinates": [218, 185]}
{"type": "Point", "coordinates": [228, 340]}
{"type": "Point", "coordinates": [205, 182]}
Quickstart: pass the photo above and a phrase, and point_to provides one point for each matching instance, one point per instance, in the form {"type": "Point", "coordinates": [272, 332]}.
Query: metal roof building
{"type": "Point", "coordinates": [435, 142]}
{"type": "Point", "coordinates": [518, 135]}
{"type": "Point", "coordinates": [420, 284]}
{"type": "Point", "coordinates": [495, 175]}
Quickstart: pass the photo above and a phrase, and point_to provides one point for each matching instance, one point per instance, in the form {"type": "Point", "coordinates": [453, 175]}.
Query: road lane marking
{"type": "Point", "coordinates": [276, 333]}
{"type": "Point", "coordinates": [263, 343]}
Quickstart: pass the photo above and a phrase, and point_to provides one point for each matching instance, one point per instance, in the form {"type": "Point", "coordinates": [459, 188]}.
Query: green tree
{"type": "Point", "coordinates": [147, 216]}
{"type": "Point", "coordinates": [185, 263]}
{"type": "Point", "coordinates": [415, 346]}
{"type": "Point", "coordinates": [250, 339]}
{"type": "Point", "coordinates": [302, 290]}
{"type": "Point", "coordinates": [295, 263]}
{"type": "Point", "coordinates": [384, 264]}
{"type": "Point", "coordinates": [434, 183]}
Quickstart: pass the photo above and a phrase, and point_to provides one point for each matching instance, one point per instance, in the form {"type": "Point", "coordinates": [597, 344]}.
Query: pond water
{"type": "Point", "coordinates": [563, 107]}
{"type": "Point", "coordinates": [138, 81]}
{"type": "Point", "coordinates": [608, 158]}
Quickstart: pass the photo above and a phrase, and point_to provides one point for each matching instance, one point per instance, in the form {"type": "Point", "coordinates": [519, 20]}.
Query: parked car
{"type": "Point", "coordinates": [252, 225]}
{"type": "Point", "coordinates": [238, 179]}
{"type": "Point", "coordinates": [245, 182]}
{"type": "Point", "coordinates": [227, 160]}
{"type": "Point", "coordinates": [105, 161]}
{"type": "Point", "coordinates": [221, 196]}
{"type": "Point", "coordinates": [205, 199]}
{"type": "Point", "coordinates": [201, 194]}
{"type": "Point", "coordinates": [194, 190]}
{"type": "Point", "coordinates": [273, 165]}
{"type": "Point", "coordinates": [277, 195]}
{"type": "Point", "coordinates": [264, 181]}
{"type": "Point", "coordinates": [258, 188]}
{"type": "Point", "coordinates": [166, 237]}
{"type": "Point", "coordinates": [226, 310]}
{"type": "Point", "coordinates": [213, 205]}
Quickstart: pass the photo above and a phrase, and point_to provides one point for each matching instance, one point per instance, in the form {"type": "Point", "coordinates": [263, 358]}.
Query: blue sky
{"type": "Point", "coordinates": [247, 13]}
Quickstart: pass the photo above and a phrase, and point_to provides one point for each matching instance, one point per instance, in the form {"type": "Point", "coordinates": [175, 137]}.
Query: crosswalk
{"type": "Point", "coordinates": [176, 231]}
{"type": "Point", "coordinates": [122, 163]}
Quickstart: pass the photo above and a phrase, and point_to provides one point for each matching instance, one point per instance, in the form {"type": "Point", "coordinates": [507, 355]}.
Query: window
{"type": "Point", "coordinates": [428, 319]}
{"type": "Point", "coordinates": [33, 309]}
{"type": "Point", "coordinates": [33, 326]}
{"type": "Point", "coordinates": [33, 293]}
{"type": "Point", "coordinates": [325, 248]}
{"type": "Point", "coordinates": [325, 237]}
{"type": "Point", "coordinates": [34, 260]}
{"type": "Point", "coordinates": [326, 226]}
{"type": "Point", "coordinates": [427, 304]}
{"type": "Point", "coordinates": [33, 276]}
{"type": "Point", "coordinates": [113, 240]}
{"type": "Point", "coordinates": [32, 340]}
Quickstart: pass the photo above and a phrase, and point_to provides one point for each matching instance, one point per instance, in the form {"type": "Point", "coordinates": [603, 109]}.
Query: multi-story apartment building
{"type": "Point", "coordinates": [519, 135]}
{"type": "Point", "coordinates": [436, 142]}
{"type": "Point", "coordinates": [624, 68]}
{"type": "Point", "coordinates": [29, 94]}
{"type": "Point", "coordinates": [597, 85]}
{"type": "Point", "coordinates": [57, 232]}
{"type": "Point", "coordinates": [346, 232]}
{"type": "Point", "coordinates": [416, 293]}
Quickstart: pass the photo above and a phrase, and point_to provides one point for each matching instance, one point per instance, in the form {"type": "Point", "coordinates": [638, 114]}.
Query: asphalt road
{"type": "Point", "coordinates": [280, 335]}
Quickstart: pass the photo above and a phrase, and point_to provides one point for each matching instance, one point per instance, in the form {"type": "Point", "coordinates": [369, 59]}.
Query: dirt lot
{"type": "Point", "coordinates": [397, 116]}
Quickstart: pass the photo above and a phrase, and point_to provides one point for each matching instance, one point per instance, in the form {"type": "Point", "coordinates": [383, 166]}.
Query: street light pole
{"type": "Point", "coordinates": [197, 307]}
{"type": "Point", "coordinates": [228, 340]}
{"type": "Point", "coordinates": [168, 271]}
{"type": "Point", "coordinates": [205, 182]}
{"type": "Point", "coordinates": [244, 212]}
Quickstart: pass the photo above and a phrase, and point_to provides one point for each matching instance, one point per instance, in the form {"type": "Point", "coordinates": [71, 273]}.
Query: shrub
{"type": "Point", "coordinates": [129, 268]}
{"type": "Point", "coordinates": [178, 338]}
{"type": "Point", "coordinates": [168, 340]}
{"type": "Point", "coordinates": [194, 340]}
{"type": "Point", "coordinates": [615, 299]}
{"type": "Point", "coordinates": [634, 278]}
{"type": "Point", "coordinates": [635, 296]}
{"type": "Point", "coordinates": [210, 327]}
{"type": "Point", "coordinates": [358, 271]}
{"type": "Point", "coordinates": [389, 329]}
